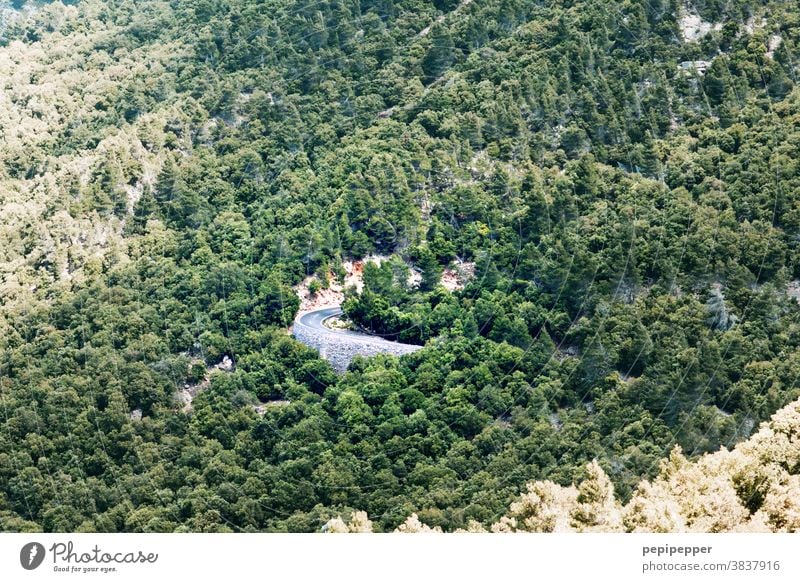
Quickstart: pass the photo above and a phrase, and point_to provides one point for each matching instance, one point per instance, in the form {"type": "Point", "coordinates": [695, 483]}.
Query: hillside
{"type": "Point", "coordinates": [753, 488]}
{"type": "Point", "coordinates": [620, 180]}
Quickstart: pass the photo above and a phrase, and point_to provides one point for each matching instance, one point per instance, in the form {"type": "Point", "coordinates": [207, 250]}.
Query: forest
{"type": "Point", "coordinates": [624, 177]}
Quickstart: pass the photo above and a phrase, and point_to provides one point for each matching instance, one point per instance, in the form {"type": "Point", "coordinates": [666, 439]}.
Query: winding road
{"type": "Point", "coordinates": [340, 345]}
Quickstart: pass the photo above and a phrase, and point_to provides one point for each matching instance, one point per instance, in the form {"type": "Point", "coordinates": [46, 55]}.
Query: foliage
{"type": "Point", "coordinates": [170, 170]}
{"type": "Point", "coordinates": [753, 488]}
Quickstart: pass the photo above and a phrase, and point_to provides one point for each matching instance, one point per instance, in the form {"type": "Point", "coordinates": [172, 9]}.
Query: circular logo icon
{"type": "Point", "coordinates": [31, 555]}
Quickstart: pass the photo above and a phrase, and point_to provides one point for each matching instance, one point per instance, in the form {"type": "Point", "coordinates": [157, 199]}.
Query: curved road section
{"type": "Point", "coordinates": [339, 346]}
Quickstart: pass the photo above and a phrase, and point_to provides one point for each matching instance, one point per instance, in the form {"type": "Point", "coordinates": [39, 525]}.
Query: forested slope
{"type": "Point", "coordinates": [753, 488]}
{"type": "Point", "coordinates": [623, 175]}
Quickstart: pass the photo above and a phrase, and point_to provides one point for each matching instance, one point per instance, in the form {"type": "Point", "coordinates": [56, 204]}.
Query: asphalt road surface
{"type": "Point", "coordinates": [314, 322]}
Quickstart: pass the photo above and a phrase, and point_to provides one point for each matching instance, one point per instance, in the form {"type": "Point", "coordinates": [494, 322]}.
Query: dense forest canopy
{"type": "Point", "coordinates": [717, 493]}
{"type": "Point", "coordinates": [623, 176]}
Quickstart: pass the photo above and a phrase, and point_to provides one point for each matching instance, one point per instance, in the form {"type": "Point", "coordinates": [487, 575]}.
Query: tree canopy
{"type": "Point", "coordinates": [626, 189]}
